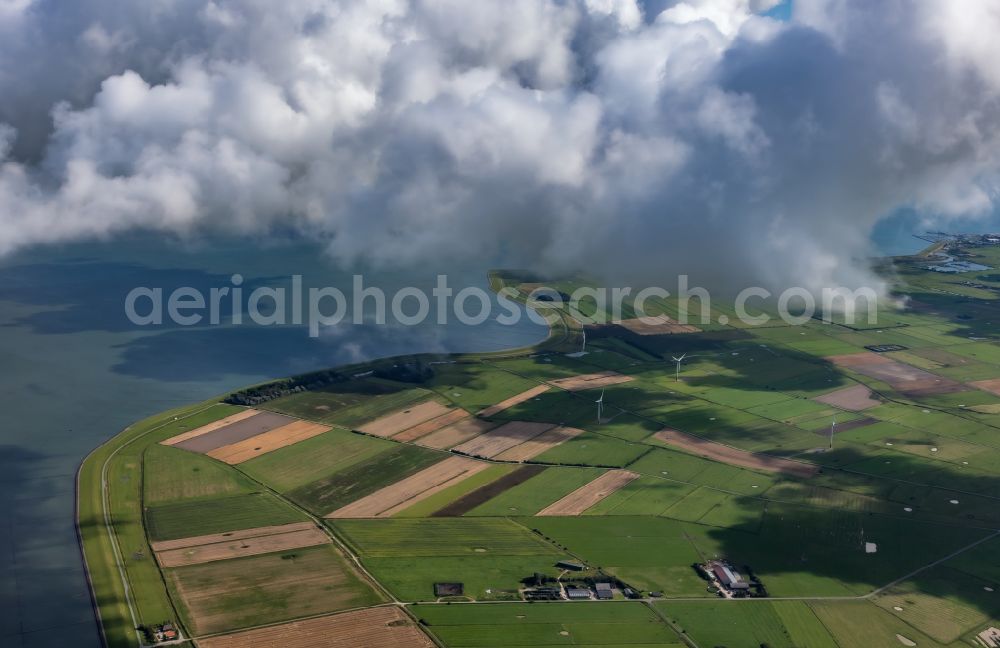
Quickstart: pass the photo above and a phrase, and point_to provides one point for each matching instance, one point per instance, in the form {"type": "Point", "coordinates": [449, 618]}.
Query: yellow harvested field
{"type": "Point", "coordinates": [415, 488]}
{"type": "Point", "coordinates": [286, 435]}
{"type": "Point", "coordinates": [658, 325]}
{"type": "Point", "coordinates": [205, 549]}
{"type": "Point", "coordinates": [855, 398]}
{"type": "Point", "coordinates": [390, 424]}
{"type": "Point", "coordinates": [513, 400]}
{"type": "Point", "coordinates": [544, 441]}
{"type": "Point", "coordinates": [452, 435]}
{"type": "Point", "coordinates": [591, 381]}
{"type": "Point", "coordinates": [589, 494]}
{"type": "Point", "coordinates": [491, 443]}
{"type": "Point", "coordinates": [211, 427]}
{"type": "Point", "coordinates": [385, 627]}
{"type": "Point", "coordinates": [433, 425]}
{"type": "Point", "coordinates": [735, 456]}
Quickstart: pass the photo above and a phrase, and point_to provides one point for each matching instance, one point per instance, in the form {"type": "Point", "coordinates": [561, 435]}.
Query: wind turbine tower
{"type": "Point", "coordinates": [832, 425]}
{"type": "Point", "coordinates": [677, 372]}
{"type": "Point", "coordinates": [600, 406]}
{"type": "Point", "coordinates": [583, 349]}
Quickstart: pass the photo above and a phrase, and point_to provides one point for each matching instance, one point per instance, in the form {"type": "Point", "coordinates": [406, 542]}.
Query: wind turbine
{"type": "Point", "coordinates": [600, 406]}
{"type": "Point", "coordinates": [677, 374]}
{"type": "Point", "coordinates": [583, 349]}
{"type": "Point", "coordinates": [832, 425]}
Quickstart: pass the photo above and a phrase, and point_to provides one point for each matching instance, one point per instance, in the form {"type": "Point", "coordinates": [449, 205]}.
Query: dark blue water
{"type": "Point", "coordinates": [76, 371]}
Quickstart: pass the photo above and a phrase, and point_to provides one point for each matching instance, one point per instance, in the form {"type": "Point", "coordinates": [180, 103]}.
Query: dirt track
{"type": "Point", "coordinates": [513, 400]}
{"type": "Point", "coordinates": [544, 441]}
{"type": "Point", "coordinates": [591, 381]}
{"type": "Point", "coordinates": [396, 422]}
{"type": "Point", "coordinates": [415, 488]}
{"type": "Point", "coordinates": [385, 627]}
{"type": "Point", "coordinates": [492, 443]}
{"type": "Point", "coordinates": [589, 494]}
{"type": "Point", "coordinates": [855, 398]}
{"type": "Point", "coordinates": [294, 537]}
{"type": "Point", "coordinates": [256, 446]}
{"type": "Point", "coordinates": [734, 456]}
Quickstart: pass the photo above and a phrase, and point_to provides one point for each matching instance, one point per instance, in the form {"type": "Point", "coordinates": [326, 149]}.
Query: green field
{"type": "Point", "coordinates": [205, 516]}
{"type": "Point", "coordinates": [779, 624]}
{"type": "Point", "coordinates": [297, 465]}
{"type": "Point", "coordinates": [916, 476]}
{"type": "Point", "coordinates": [490, 556]}
{"type": "Point", "coordinates": [648, 553]}
{"type": "Point", "coordinates": [171, 475]}
{"type": "Point", "coordinates": [349, 404]}
{"type": "Point", "coordinates": [329, 493]}
{"type": "Point", "coordinates": [543, 625]}
{"type": "Point", "coordinates": [860, 624]}
{"type": "Point", "coordinates": [537, 493]}
{"type": "Point", "coordinates": [439, 500]}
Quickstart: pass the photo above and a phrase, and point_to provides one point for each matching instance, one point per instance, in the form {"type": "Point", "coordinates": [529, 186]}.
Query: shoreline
{"type": "Point", "coordinates": [559, 332]}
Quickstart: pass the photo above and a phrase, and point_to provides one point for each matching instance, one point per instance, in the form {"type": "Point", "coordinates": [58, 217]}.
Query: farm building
{"type": "Point", "coordinates": [727, 577]}
{"type": "Point", "coordinates": [604, 591]}
{"type": "Point", "coordinates": [990, 637]}
{"type": "Point", "coordinates": [448, 589]}
{"type": "Point", "coordinates": [577, 594]}
{"type": "Point", "coordinates": [569, 565]}
{"type": "Point", "coordinates": [543, 594]}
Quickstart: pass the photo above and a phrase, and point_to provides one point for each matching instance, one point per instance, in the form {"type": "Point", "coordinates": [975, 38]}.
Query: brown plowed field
{"type": "Point", "coordinates": [415, 488]}
{"type": "Point", "coordinates": [589, 494]}
{"type": "Point", "coordinates": [544, 441]}
{"type": "Point", "coordinates": [513, 400]}
{"type": "Point", "coordinates": [433, 425]}
{"type": "Point", "coordinates": [734, 456]}
{"type": "Point", "coordinates": [211, 427]}
{"type": "Point", "coordinates": [901, 377]}
{"type": "Point", "coordinates": [992, 385]}
{"type": "Point", "coordinates": [591, 381]}
{"type": "Point", "coordinates": [855, 398]}
{"type": "Point", "coordinates": [259, 423]}
{"type": "Point", "coordinates": [390, 424]}
{"type": "Point", "coordinates": [240, 547]}
{"type": "Point", "coordinates": [384, 627]}
{"type": "Point", "coordinates": [659, 325]}
{"type": "Point", "coordinates": [491, 443]}
{"type": "Point", "coordinates": [454, 434]}
{"type": "Point", "coordinates": [466, 503]}
{"type": "Point", "coordinates": [256, 446]}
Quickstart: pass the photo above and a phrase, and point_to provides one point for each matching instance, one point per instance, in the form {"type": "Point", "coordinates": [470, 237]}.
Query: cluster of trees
{"type": "Point", "coordinates": [416, 371]}
{"type": "Point", "coordinates": [253, 396]}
